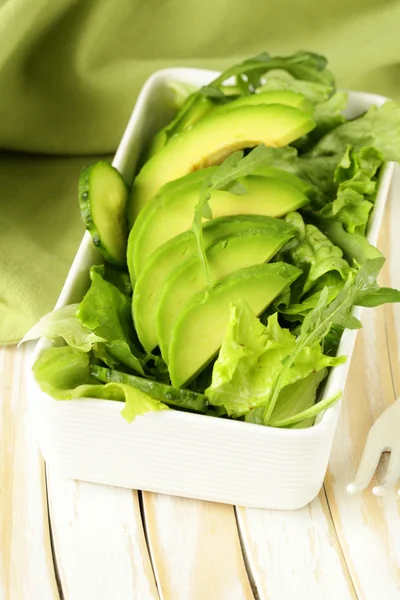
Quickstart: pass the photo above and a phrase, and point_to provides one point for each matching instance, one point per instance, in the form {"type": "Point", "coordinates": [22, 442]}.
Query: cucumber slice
{"type": "Point", "coordinates": [103, 197]}
{"type": "Point", "coordinates": [185, 399]}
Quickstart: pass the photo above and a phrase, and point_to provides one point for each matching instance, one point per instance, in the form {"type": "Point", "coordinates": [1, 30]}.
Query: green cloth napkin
{"type": "Point", "coordinates": [70, 71]}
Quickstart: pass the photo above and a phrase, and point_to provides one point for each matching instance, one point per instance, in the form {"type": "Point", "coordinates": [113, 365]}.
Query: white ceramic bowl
{"type": "Point", "coordinates": [180, 453]}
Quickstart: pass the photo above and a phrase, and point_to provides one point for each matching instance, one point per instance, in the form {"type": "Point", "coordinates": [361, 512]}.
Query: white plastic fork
{"type": "Point", "coordinates": [384, 436]}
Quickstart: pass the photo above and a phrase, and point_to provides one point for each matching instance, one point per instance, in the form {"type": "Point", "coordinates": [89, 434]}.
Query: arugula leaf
{"type": "Point", "coordinates": [225, 177]}
{"type": "Point", "coordinates": [251, 356]}
{"type": "Point", "coordinates": [331, 280]}
{"type": "Point", "coordinates": [64, 374]}
{"type": "Point", "coordinates": [64, 323]}
{"type": "Point", "coordinates": [307, 66]}
{"type": "Point", "coordinates": [382, 296]}
{"type": "Point", "coordinates": [318, 322]}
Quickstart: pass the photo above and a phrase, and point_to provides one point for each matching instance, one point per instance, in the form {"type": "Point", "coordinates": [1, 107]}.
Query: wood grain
{"type": "Point", "coordinates": [26, 565]}
{"type": "Point", "coordinates": [195, 549]}
{"type": "Point", "coordinates": [295, 554]}
{"type": "Point", "coordinates": [99, 542]}
{"type": "Point", "coordinates": [339, 549]}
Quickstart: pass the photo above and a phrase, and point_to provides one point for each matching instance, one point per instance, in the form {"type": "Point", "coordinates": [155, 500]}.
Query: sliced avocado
{"type": "Point", "coordinates": [168, 257]}
{"type": "Point", "coordinates": [271, 171]}
{"type": "Point", "coordinates": [286, 97]}
{"type": "Point", "coordinates": [212, 139]}
{"type": "Point", "coordinates": [190, 113]}
{"type": "Point", "coordinates": [103, 197]}
{"type": "Point", "coordinates": [234, 252]}
{"type": "Point", "coordinates": [171, 189]}
{"type": "Point", "coordinates": [171, 215]}
{"type": "Point", "coordinates": [198, 333]}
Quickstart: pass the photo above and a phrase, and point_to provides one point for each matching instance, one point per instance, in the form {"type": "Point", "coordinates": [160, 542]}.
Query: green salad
{"type": "Point", "coordinates": [232, 264]}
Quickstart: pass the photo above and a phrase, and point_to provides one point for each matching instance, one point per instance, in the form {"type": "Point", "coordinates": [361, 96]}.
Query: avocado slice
{"type": "Point", "coordinates": [199, 331]}
{"type": "Point", "coordinates": [234, 252]}
{"type": "Point", "coordinates": [190, 113]}
{"type": "Point", "coordinates": [171, 189]}
{"type": "Point", "coordinates": [286, 97]}
{"type": "Point", "coordinates": [168, 257]}
{"type": "Point", "coordinates": [271, 171]}
{"type": "Point", "coordinates": [170, 215]}
{"type": "Point", "coordinates": [195, 111]}
{"type": "Point", "coordinates": [212, 139]}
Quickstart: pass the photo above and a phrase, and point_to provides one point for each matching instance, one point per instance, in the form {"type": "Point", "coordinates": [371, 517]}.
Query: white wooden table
{"type": "Point", "coordinates": [66, 539]}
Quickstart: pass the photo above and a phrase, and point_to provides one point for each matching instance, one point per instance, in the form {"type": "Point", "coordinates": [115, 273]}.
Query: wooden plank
{"type": "Point", "coordinates": [295, 554]}
{"type": "Point", "coordinates": [369, 527]}
{"type": "Point", "coordinates": [26, 564]}
{"type": "Point", "coordinates": [195, 549]}
{"type": "Point", "coordinates": [99, 542]}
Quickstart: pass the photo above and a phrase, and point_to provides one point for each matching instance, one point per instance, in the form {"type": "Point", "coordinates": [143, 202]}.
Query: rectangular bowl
{"type": "Point", "coordinates": [174, 452]}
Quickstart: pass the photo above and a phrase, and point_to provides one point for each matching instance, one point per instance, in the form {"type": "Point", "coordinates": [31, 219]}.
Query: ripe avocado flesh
{"type": "Point", "coordinates": [168, 258]}
{"type": "Point", "coordinates": [234, 252]}
{"type": "Point", "coordinates": [190, 113]}
{"type": "Point", "coordinates": [286, 97]}
{"type": "Point", "coordinates": [173, 188]}
{"type": "Point", "coordinates": [170, 216]}
{"type": "Point", "coordinates": [199, 331]}
{"type": "Point", "coordinates": [212, 139]}
{"type": "Point", "coordinates": [204, 106]}
{"type": "Point", "coordinates": [297, 182]}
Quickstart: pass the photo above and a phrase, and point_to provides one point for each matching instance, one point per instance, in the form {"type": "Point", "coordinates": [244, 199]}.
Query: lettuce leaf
{"type": "Point", "coordinates": [314, 254]}
{"type": "Point", "coordinates": [250, 359]}
{"type": "Point", "coordinates": [106, 311]}
{"type": "Point", "coordinates": [356, 248]}
{"type": "Point", "coordinates": [379, 128]}
{"type": "Point", "coordinates": [293, 400]}
{"type": "Point", "coordinates": [117, 277]}
{"type": "Point", "coordinates": [282, 80]}
{"type": "Point", "coordinates": [355, 176]}
{"type": "Point", "coordinates": [63, 323]}
{"type": "Point", "coordinates": [319, 321]}
{"type": "Point", "coordinates": [64, 373]}
{"type": "Point", "coordinates": [327, 115]}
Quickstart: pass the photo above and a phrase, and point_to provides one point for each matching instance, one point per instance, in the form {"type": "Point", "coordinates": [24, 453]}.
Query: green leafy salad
{"type": "Point", "coordinates": [232, 264]}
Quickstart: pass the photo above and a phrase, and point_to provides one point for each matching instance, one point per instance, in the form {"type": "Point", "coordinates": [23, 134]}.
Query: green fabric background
{"type": "Point", "coordinates": [70, 72]}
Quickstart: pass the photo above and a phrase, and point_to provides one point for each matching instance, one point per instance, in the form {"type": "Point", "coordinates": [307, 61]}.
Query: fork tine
{"type": "Point", "coordinates": [392, 475]}
{"type": "Point", "coordinates": [369, 462]}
